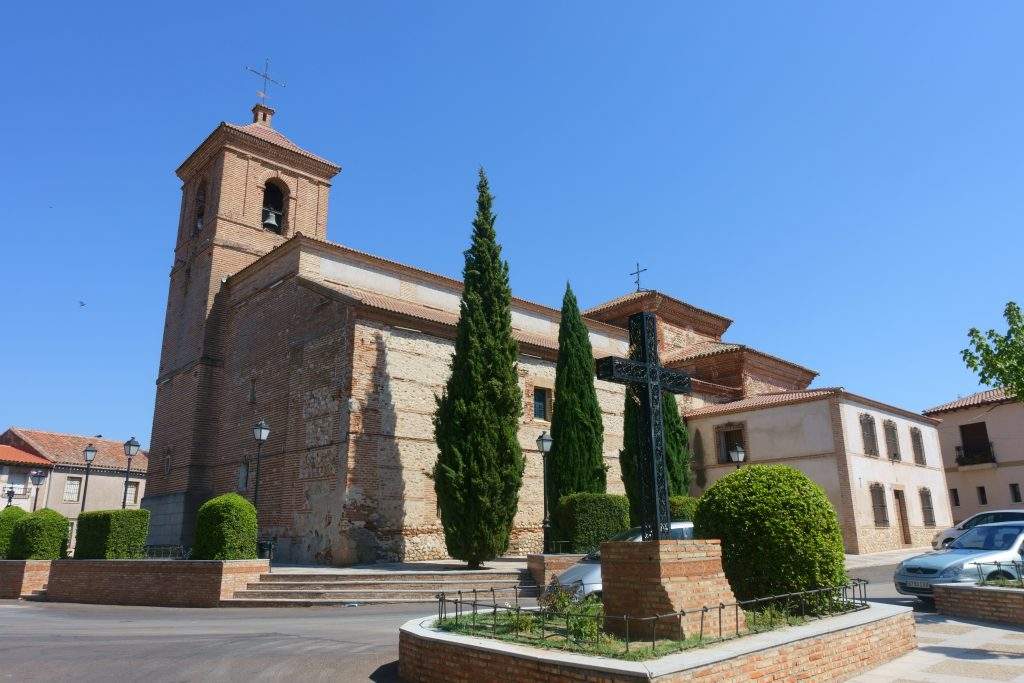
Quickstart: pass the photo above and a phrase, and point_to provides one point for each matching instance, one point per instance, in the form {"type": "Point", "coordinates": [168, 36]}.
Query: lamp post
{"type": "Point", "coordinates": [89, 453]}
{"type": "Point", "coordinates": [9, 492]}
{"type": "Point", "coordinates": [37, 477]}
{"type": "Point", "coordinates": [737, 455]}
{"type": "Point", "coordinates": [260, 432]}
{"type": "Point", "coordinates": [131, 449]}
{"type": "Point", "coordinates": [544, 442]}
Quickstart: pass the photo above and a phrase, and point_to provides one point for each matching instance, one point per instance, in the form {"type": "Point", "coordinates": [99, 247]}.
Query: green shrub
{"type": "Point", "coordinates": [683, 508]}
{"type": "Point", "coordinates": [226, 529]}
{"type": "Point", "coordinates": [42, 535]}
{"type": "Point", "coordinates": [112, 535]}
{"type": "Point", "coordinates": [778, 529]}
{"type": "Point", "coordinates": [8, 516]}
{"type": "Point", "coordinates": [587, 519]}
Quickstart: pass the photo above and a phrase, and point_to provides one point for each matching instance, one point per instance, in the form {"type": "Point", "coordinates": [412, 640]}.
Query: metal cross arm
{"type": "Point", "coordinates": [624, 370]}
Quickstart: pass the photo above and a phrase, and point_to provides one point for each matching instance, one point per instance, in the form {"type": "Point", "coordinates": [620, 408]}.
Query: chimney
{"type": "Point", "coordinates": [263, 115]}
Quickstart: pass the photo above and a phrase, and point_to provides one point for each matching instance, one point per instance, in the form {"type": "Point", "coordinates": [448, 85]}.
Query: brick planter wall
{"type": "Point", "coordinates": [22, 577]}
{"type": "Point", "coordinates": [160, 583]}
{"type": "Point", "coordinates": [990, 603]}
{"type": "Point", "coordinates": [827, 650]}
{"type": "Point", "coordinates": [545, 567]}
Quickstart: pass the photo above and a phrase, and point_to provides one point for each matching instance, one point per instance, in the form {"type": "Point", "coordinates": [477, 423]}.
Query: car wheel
{"type": "Point", "coordinates": [999, 576]}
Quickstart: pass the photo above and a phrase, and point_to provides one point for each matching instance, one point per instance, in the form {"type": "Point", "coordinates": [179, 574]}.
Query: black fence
{"type": "Point", "coordinates": [167, 552]}
{"type": "Point", "coordinates": [1010, 574]}
{"type": "Point", "coordinates": [583, 622]}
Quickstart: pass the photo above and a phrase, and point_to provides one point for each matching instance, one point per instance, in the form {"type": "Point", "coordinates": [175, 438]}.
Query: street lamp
{"type": "Point", "coordinates": [544, 442]}
{"type": "Point", "coordinates": [260, 432]}
{"type": "Point", "coordinates": [89, 453]}
{"type": "Point", "coordinates": [9, 492]}
{"type": "Point", "coordinates": [737, 454]}
{"type": "Point", "coordinates": [37, 477]}
{"type": "Point", "coordinates": [131, 449]}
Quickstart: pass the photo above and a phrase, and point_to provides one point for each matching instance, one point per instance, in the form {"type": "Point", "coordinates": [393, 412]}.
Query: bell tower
{"type": "Point", "coordinates": [245, 190]}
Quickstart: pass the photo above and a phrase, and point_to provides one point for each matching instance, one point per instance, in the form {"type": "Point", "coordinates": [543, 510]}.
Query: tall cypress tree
{"type": "Point", "coordinates": [677, 450]}
{"type": "Point", "coordinates": [480, 465]}
{"type": "Point", "coordinates": [576, 460]}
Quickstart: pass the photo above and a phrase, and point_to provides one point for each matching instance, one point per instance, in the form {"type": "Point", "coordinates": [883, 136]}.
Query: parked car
{"type": "Point", "coordinates": [947, 536]}
{"type": "Point", "coordinates": [584, 577]}
{"type": "Point", "coordinates": [968, 559]}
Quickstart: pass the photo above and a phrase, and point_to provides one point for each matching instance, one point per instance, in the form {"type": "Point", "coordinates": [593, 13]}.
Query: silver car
{"type": "Point", "coordinates": [968, 559]}
{"type": "Point", "coordinates": [584, 577]}
{"type": "Point", "coordinates": [947, 536]}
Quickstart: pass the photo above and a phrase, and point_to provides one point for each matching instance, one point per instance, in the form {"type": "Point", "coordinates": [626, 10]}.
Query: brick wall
{"type": "Point", "coordinates": [828, 657]}
{"type": "Point", "coordinates": [160, 583]}
{"type": "Point", "coordinates": [990, 603]}
{"type": "Point", "coordinates": [22, 577]}
{"type": "Point", "coordinates": [543, 568]}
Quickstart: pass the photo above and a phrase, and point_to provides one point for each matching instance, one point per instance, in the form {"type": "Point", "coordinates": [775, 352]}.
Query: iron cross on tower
{"type": "Point", "coordinates": [644, 375]}
{"type": "Point", "coordinates": [265, 75]}
{"type": "Point", "coordinates": [636, 276]}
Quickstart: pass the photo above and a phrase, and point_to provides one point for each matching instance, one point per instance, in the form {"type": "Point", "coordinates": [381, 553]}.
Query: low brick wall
{"type": "Point", "coordinates": [160, 583]}
{"type": "Point", "coordinates": [545, 567]}
{"type": "Point", "coordinates": [828, 650]}
{"type": "Point", "coordinates": [989, 603]}
{"type": "Point", "coordinates": [22, 577]}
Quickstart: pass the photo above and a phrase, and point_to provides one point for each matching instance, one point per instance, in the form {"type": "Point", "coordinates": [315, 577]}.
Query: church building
{"type": "Point", "coordinates": [342, 353]}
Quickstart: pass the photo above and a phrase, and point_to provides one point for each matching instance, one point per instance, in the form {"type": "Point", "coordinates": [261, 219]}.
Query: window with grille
{"type": "Point", "coordinates": [892, 440]}
{"type": "Point", "coordinates": [954, 498]}
{"type": "Point", "coordinates": [18, 481]}
{"type": "Point", "coordinates": [541, 403]}
{"type": "Point", "coordinates": [72, 489]}
{"type": "Point", "coordinates": [878, 505]}
{"type": "Point", "coordinates": [867, 430]}
{"type": "Point", "coordinates": [729, 437]}
{"type": "Point", "coordinates": [917, 441]}
{"type": "Point", "coordinates": [133, 492]}
{"type": "Point", "coordinates": [927, 509]}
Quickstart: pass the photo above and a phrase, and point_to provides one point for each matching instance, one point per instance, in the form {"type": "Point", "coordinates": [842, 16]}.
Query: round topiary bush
{"type": "Point", "coordinates": [42, 535]}
{"type": "Point", "coordinates": [226, 529]}
{"type": "Point", "coordinates": [683, 508]}
{"type": "Point", "coordinates": [8, 516]}
{"type": "Point", "coordinates": [779, 531]}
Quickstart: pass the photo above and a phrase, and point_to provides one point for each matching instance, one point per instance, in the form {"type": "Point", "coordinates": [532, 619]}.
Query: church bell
{"type": "Point", "coordinates": [271, 220]}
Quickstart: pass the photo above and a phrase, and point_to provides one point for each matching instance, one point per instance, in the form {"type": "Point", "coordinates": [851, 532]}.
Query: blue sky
{"type": "Point", "coordinates": [844, 180]}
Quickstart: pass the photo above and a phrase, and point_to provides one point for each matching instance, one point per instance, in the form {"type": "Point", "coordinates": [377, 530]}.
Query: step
{"type": "Point", "coordinates": [398, 576]}
{"type": "Point", "coordinates": [362, 595]}
{"type": "Point", "coordinates": [276, 602]}
{"type": "Point", "coordinates": [447, 586]}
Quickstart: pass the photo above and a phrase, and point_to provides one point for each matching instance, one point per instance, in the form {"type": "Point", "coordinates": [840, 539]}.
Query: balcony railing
{"type": "Point", "coordinates": [976, 455]}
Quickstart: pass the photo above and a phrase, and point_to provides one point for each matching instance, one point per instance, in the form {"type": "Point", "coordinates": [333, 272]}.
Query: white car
{"type": "Point", "coordinates": [584, 577]}
{"type": "Point", "coordinates": [947, 536]}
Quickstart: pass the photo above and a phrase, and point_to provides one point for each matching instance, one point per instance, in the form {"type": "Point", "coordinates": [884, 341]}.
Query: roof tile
{"type": "Point", "coordinates": [979, 399]}
{"type": "Point", "coordinates": [66, 449]}
{"type": "Point", "coordinates": [16, 456]}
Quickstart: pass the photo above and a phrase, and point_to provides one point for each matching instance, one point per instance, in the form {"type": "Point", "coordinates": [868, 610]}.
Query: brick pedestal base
{"type": "Point", "coordinates": [655, 578]}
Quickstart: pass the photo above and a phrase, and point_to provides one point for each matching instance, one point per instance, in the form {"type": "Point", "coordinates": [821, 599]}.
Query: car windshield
{"type": "Point", "coordinates": [988, 538]}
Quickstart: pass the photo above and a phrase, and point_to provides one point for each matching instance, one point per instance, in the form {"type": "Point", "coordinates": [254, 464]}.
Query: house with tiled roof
{"type": "Point", "coordinates": [982, 441]}
{"type": "Point", "coordinates": [342, 353]}
{"type": "Point", "coordinates": [69, 487]}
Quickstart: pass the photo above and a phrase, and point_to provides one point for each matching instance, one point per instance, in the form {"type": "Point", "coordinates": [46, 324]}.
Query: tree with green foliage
{"type": "Point", "coordinates": [112, 535]}
{"type": "Point", "coordinates": [999, 358]}
{"type": "Point", "coordinates": [576, 461]}
{"type": "Point", "coordinates": [8, 517]}
{"type": "Point", "coordinates": [226, 529]}
{"type": "Point", "coordinates": [480, 464]}
{"type": "Point", "coordinates": [41, 535]}
{"type": "Point", "coordinates": [677, 450]}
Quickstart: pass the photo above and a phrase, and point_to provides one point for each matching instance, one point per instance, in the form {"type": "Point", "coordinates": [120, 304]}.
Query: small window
{"type": "Point", "coordinates": [18, 481]}
{"type": "Point", "coordinates": [273, 208]}
{"type": "Point", "coordinates": [541, 403]}
{"type": "Point", "coordinates": [927, 510]}
{"type": "Point", "coordinates": [72, 489]}
{"type": "Point", "coordinates": [878, 505]}
{"type": "Point", "coordinates": [917, 441]}
{"type": "Point", "coordinates": [954, 498]}
{"type": "Point", "coordinates": [892, 440]}
{"type": "Point", "coordinates": [982, 496]}
{"type": "Point", "coordinates": [867, 430]}
{"type": "Point", "coordinates": [1015, 493]}
{"type": "Point", "coordinates": [243, 476]}
{"type": "Point", "coordinates": [133, 492]}
{"type": "Point", "coordinates": [729, 437]}
{"type": "Point", "coordinates": [252, 390]}
{"type": "Point", "coordinates": [167, 461]}
{"type": "Point", "coordinates": [200, 211]}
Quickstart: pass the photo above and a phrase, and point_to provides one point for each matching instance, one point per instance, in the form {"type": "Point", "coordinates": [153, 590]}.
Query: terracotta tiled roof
{"type": "Point", "coordinates": [777, 398]}
{"type": "Point", "coordinates": [979, 399]}
{"type": "Point", "coordinates": [66, 449]}
{"type": "Point", "coordinates": [701, 350]}
{"type": "Point", "coordinates": [15, 456]}
{"type": "Point", "coordinates": [656, 301]}
{"type": "Point", "coordinates": [268, 134]}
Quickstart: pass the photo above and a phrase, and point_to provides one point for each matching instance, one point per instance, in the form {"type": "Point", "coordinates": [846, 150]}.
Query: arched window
{"type": "Point", "coordinates": [273, 208]}
{"type": "Point", "coordinates": [200, 209]}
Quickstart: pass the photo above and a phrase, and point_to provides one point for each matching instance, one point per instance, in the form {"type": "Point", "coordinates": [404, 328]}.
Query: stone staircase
{"type": "Point", "coordinates": [381, 587]}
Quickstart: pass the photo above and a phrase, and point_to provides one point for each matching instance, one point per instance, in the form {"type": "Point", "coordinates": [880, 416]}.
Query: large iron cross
{"type": "Point", "coordinates": [648, 379]}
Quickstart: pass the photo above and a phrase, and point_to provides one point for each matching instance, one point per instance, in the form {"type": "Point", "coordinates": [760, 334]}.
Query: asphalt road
{"type": "Point", "coordinates": [84, 643]}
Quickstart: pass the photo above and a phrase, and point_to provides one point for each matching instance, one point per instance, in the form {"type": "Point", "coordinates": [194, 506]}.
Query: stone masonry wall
{"type": "Point", "coordinates": [991, 603]}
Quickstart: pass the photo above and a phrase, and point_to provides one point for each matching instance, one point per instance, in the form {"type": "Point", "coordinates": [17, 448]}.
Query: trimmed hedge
{"type": "Point", "coordinates": [226, 529]}
{"type": "Point", "coordinates": [587, 519]}
{"type": "Point", "coordinates": [779, 531]}
{"type": "Point", "coordinates": [112, 535]}
{"type": "Point", "coordinates": [683, 508]}
{"type": "Point", "coordinates": [42, 535]}
{"type": "Point", "coordinates": [8, 517]}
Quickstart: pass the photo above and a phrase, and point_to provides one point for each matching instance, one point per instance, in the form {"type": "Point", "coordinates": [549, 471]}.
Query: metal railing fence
{"type": "Point", "coordinates": [1010, 572]}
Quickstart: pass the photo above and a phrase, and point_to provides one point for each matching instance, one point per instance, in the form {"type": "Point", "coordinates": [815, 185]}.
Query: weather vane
{"type": "Point", "coordinates": [636, 276]}
{"type": "Point", "coordinates": [267, 80]}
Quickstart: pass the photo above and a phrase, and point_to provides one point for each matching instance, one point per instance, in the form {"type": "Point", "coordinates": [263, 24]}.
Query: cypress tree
{"type": "Point", "coordinates": [576, 460]}
{"type": "Point", "coordinates": [479, 467]}
{"type": "Point", "coordinates": [677, 450]}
